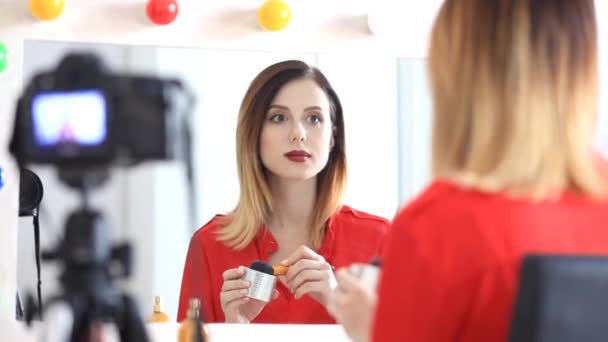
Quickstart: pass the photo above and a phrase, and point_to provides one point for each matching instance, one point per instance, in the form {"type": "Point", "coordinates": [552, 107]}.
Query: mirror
{"type": "Point", "coordinates": [386, 110]}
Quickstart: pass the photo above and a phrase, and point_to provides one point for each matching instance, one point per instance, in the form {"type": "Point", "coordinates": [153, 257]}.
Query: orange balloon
{"type": "Point", "coordinates": [46, 9]}
{"type": "Point", "coordinates": [274, 15]}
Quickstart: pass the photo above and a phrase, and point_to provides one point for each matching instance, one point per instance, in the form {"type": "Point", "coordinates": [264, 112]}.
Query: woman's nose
{"type": "Point", "coordinates": [298, 133]}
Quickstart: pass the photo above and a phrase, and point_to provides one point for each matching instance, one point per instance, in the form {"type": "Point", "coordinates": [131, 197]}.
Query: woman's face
{"type": "Point", "coordinates": [297, 134]}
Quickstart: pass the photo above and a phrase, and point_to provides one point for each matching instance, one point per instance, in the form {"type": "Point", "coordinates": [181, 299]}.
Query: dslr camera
{"type": "Point", "coordinates": [81, 116]}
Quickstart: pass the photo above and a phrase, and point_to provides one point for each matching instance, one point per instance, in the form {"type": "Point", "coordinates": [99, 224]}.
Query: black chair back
{"type": "Point", "coordinates": [561, 299]}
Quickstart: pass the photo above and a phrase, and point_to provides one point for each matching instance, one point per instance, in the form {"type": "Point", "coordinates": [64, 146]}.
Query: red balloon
{"type": "Point", "coordinates": [162, 12]}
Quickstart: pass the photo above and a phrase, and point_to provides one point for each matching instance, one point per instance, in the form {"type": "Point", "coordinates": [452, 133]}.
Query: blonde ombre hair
{"type": "Point", "coordinates": [254, 207]}
{"type": "Point", "coordinates": [514, 86]}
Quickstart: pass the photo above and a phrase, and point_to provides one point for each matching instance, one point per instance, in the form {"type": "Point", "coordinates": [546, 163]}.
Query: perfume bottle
{"type": "Point", "coordinates": [192, 329]}
{"type": "Point", "coordinates": [158, 316]}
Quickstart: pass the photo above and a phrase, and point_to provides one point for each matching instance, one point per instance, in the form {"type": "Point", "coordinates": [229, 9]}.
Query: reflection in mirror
{"type": "Point", "coordinates": [386, 109]}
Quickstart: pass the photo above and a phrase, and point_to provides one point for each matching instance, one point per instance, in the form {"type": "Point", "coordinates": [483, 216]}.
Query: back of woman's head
{"type": "Point", "coordinates": [514, 84]}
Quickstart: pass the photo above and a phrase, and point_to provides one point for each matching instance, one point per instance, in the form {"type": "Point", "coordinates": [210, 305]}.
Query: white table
{"type": "Point", "coordinates": [161, 332]}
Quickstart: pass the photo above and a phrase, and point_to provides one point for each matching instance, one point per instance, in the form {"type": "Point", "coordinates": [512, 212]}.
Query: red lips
{"type": "Point", "coordinates": [297, 156]}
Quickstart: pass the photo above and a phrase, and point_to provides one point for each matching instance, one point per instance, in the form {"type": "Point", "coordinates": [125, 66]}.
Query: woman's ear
{"type": "Point", "coordinates": [332, 141]}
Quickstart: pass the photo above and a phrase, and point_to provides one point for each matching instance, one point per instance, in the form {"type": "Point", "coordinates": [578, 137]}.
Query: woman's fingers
{"type": "Point", "coordinates": [313, 278]}
{"type": "Point", "coordinates": [309, 287]}
{"type": "Point", "coordinates": [305, 276]}
{"type": "Point", "coordinates": [301, 252]}
{"type": "Point", "coordinates": [235, 285]}
{"type": "Point", "coordinates": [229, 297]}
{"type": "Point", "coordinates": [234, 289]}
{"type": "Point", "coordinates": [233, 273]}
{"type": "Point", "coordinates": [305, 264]}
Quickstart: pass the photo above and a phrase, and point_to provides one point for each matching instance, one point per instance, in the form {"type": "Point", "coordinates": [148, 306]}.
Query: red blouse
{"type": "Point", "coordinates": [450, 268]}
{"type": "Point", "coordinates": [351, 236]}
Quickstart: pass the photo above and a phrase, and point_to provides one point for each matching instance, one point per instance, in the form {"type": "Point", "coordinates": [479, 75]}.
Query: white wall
{"type": "Point", "coordinates": [414, 128]}
{"type": "Point", "coordinates": [368, 88]}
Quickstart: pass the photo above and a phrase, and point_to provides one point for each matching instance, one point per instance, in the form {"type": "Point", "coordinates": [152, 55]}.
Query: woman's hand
{"type": "Point", "coordinates": [309, 274]}
{"type": "Point", "coordinates": [237, 307]}
{"type": "Point", "coordinates": [353, 306]}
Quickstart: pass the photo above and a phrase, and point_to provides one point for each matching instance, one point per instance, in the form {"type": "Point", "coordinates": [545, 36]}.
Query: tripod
{"type": "Point", "coordinates": [89, 298]}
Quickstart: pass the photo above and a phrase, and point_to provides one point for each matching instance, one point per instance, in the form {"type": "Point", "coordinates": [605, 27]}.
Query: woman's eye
{"type": "Point", "coordinates": [315, 119]}
{"type": "Point", "coordinates": [277, 118]}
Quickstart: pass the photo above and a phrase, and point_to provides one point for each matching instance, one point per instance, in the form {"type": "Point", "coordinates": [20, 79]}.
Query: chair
{"type": "Point", "coordinates": [561, 298]}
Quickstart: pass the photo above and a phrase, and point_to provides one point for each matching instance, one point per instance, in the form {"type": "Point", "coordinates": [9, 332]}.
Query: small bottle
{"type": "Point", "coordinates": [192, 329]}
{"type": "Point", "coordinates": [157, 315]}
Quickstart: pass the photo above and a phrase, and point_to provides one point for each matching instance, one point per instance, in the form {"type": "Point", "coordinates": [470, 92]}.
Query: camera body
{"type": "Point", "coordinates": [82, 115]}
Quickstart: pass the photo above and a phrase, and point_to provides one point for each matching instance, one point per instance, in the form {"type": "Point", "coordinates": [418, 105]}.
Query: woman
{"type": "Point", "coordinates": [292, 172]}
{"type": "Point", "coordinates": [514, 85]}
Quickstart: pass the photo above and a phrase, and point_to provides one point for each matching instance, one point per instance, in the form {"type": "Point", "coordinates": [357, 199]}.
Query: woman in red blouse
{"type": "Point", "coordinates": [292, 172]}
{"type": "Point", "coordinates": [514, 86]}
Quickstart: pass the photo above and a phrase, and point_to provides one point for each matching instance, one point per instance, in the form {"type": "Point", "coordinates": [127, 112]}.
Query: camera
{"type": "Point", "coordinates": [82, 115]}
{"type": "Point", "coordinates": [84, 119]}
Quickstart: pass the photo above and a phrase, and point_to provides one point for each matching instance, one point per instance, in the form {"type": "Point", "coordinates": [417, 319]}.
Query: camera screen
{"type": "Point", "coordinates": [69, 118]}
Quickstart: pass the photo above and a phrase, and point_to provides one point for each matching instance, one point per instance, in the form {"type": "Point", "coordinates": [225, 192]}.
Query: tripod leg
{"type": "Point", "coordinates": [131, 327]}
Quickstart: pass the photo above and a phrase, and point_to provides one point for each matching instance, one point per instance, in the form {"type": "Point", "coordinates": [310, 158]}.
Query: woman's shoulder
{"type": "Point", "coordinates": [362, 219]}
{"type": "Point", "coordinates": [440, 202]}
{"type": "Point", "coordinates": [444, 194]}
{"type": "Point", "coordinates": [208, 232]}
